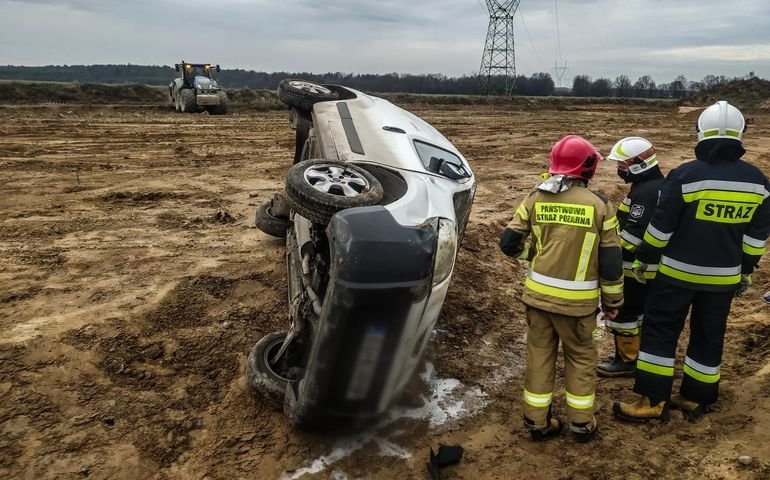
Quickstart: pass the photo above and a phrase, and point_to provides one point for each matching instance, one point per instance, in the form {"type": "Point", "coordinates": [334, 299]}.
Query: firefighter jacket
{"type": "Point", "coordinates": [712, 220]}
{"type": "Point", "coordinates": [634, 214]}
{"type": "Point", "coordinates": [572, 243]}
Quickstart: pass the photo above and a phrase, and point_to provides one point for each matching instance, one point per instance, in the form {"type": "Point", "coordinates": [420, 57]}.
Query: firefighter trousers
{"type": "Point", "coordinates": [630, 315]}
{"type": "Point", "coordinates": [664, 319]}
{"type": "Point", "coordinates": [580, 355]}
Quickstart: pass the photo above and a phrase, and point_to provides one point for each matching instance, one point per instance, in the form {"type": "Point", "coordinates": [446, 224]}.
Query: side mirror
{"type": "Point", "coordinates": [176, 67]}
{"type": "Point", "coordinates": [218, 69]}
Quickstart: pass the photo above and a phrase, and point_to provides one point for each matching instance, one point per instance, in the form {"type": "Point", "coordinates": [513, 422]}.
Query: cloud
{"type": "Point", "coordinates": [723, 53]}
{"type": "Point", "coordinates": [595, 37]}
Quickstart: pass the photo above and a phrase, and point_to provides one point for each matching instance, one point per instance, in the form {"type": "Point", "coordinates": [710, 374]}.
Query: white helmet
{"type": "Point", "coordinates": [721, 120]}
{"type": "Point", "coordinates": [641, 151]}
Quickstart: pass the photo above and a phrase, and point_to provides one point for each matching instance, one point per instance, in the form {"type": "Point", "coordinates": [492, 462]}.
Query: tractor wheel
{"type": "Point", "coordinates": [187, 101]}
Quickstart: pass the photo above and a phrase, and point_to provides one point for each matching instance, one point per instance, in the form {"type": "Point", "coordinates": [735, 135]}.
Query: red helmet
{"type": "Point", "coordinates": [574, 156]}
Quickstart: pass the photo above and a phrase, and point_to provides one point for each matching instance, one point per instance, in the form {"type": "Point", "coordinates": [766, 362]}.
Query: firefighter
{"type": "Point", "coordinates": [711, 226]}
{"type": "Point", "coordinates": [569, 235]}
{"type": "Point", "coordinates": [637, 165]}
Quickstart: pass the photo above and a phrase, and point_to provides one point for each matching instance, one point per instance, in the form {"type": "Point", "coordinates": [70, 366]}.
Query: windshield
{"type": "Point", "coordinates": [198, 71]}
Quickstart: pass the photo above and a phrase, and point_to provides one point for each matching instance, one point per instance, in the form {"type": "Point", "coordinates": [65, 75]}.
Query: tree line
{"type": "Point", "coordinates": [538, 84]}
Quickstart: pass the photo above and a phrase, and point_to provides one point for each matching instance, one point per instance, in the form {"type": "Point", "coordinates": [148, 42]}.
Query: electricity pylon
{"type": "Point", "coordinates": [498, 64]}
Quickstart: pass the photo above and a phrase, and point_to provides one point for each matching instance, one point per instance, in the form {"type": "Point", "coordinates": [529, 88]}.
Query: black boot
{"type": "Point", "coordinates": [584, 432]}
{"type": "Point", "coordinates": [616, 368]}
{"type": "Point", "coordinates": [624, 362]}
{"type": "Point", "coordinates": [553, 427]}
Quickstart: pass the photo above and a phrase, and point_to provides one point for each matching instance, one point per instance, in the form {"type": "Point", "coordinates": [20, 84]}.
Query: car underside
{"type": "Point", "coordinates": [373, 212]}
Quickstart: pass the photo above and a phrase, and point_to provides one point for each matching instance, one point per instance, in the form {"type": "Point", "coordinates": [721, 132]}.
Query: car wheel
{"type": "Point", "coordinates": [303, 95]}
{"type": "Point", "coordinates": [317, 189]}
{"type": "Point", "coordinates": [271, 225]}
{"type": "Point", "coordinates": [266, 380]}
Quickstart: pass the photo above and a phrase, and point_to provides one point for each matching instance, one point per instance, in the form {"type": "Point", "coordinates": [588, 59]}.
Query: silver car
{"type": "Point", "coordinates": [373, 212]}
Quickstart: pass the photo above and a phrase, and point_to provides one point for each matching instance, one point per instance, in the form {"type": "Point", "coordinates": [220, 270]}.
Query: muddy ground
{"type": "Point", "coordinates": [133, 284]}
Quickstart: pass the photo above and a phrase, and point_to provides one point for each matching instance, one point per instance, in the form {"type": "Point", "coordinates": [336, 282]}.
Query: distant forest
{"type": "Point", "coordinates": [538, 84]}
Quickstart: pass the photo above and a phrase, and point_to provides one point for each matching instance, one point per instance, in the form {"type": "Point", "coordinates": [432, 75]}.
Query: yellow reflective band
{"type": "Point", "coordinates": [700, 279]}
{"type": "Point", "coordinates": [654, 241]}
{"type": "Point", "coordinates": [627, 272]}
{"type": "Point", "coordinates": [728, 133]}
{"type": "Point", "coordinates": [624, 208]}
{"type": "Point", "coordinates": [724, 196]}
{"type": "Point", "coordinates": [656, 369]}
{"type": "Point", "coordinates": [749, 250]}
{"type": "Point", "coordinates": [522, 212]}
{"type": "Point", "coordinates": [537, 231]}
{"type": "Point", "coordinates": [562, 293]}
{"type": "Point", "coordinates": [565, 214]}
{"type": "Point", "coordinates": [580, 402]}
{"type": "Point", "coordinates": [585, 256]}
{"type": "Point", "coordinates": [610, 224]}
{"type": "Point", "coordinates": [627, 245]}
{"type": "Point", "coordinates": [725, 212]}
{"type": "Point", "coordinates": [611, 289]}
{"type": "Point", "coordinates": [525, 251]}
{"type": "Point", "coordinates": [701, 377]}
{"type": "Point", "coordinates": [620, 151]}
{"type": "Point", "coordinates": [538, 400]}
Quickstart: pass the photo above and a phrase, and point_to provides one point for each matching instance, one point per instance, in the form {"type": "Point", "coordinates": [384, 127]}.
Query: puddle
{"type": "Point", "coordinates": [447, 401]}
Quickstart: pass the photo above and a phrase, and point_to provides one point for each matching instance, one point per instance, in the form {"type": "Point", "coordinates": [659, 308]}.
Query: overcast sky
{"type": "Point", "coordinates": [600, 38]}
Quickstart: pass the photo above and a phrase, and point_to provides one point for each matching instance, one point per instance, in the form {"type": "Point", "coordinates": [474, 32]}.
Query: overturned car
{"type": "Point", "coordinates": [373, 212]}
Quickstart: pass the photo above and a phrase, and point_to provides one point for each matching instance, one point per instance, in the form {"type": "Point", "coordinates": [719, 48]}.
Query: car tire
{"type": "Point", "coordinates": [317, 189]}
{"type": "Point", "coordinates": [263, 381]}
{"type": "Point", "coordinates": [302, 94]}
{"type": "Point", "coordinates": [265, 221]}
{"type": "Point", "coordinates": [187, 101]}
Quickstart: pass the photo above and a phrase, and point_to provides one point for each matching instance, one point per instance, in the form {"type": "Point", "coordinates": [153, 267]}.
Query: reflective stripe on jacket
{"type": "Point", "coordinates": [711, 224]}
{"type": "Point", "coordinates": [634, 214]}
{"type": "Point", "coordinates": [563, 235]}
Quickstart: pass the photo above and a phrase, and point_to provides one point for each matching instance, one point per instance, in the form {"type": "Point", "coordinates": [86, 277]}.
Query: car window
{"type": "Point", "coordinates": [435, 158]}
{"type": "Point", "coordinates": [426, 151]}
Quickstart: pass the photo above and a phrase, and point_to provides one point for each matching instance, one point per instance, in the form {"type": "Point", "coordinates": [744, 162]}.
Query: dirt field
{"type": "Point", "coordinates": [133, 284]}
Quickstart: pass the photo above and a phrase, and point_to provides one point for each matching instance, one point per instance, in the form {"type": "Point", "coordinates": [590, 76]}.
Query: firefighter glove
{"type": "Point", "coordinates": [743, 286]}
{"type": "Point", "coordinates": [638, 268]}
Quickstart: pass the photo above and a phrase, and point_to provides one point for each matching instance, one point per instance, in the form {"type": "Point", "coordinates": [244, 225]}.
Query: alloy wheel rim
{"type": "Point", "coordinates": [336, 180]}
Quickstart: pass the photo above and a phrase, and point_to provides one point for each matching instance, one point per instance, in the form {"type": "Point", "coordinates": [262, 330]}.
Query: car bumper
{"type": "Point", "coordinates": [378, 312]}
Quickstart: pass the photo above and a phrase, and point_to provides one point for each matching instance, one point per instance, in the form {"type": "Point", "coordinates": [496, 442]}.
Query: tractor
{"type": "Point", "coordinates": [196, 90]}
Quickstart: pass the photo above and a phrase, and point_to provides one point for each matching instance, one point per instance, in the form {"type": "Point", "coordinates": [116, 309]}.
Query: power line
{"type": "Point", "coordinates": [558, 34]}
{"type": "Point", "coordinates": [531, 43]}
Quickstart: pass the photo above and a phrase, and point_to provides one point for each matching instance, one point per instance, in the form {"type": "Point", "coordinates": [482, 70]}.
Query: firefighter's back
{"type": "Point", "coordinates": [568, 228]}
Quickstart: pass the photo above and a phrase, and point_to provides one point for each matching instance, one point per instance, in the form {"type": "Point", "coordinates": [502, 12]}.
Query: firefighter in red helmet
{"type": "Point", "coordinates": [569, 235]}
